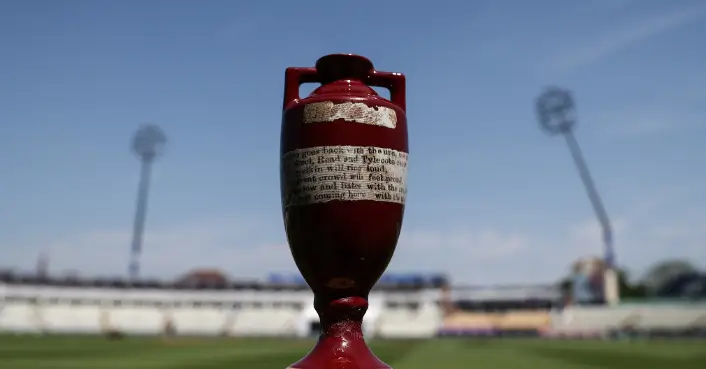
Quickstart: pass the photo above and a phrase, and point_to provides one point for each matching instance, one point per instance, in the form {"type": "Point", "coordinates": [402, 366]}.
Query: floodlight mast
{"type": "Point", "coordinates": [556, 113]}
{"type": "Point", "coordinates": [148, 143]}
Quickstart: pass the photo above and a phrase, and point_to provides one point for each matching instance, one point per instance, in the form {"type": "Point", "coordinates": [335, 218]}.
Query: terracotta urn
{"type": "Point", "coordinates": [343, 171]}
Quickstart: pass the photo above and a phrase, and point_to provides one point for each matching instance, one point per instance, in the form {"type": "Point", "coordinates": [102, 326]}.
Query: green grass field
{"type": "Point", "coordinates": [28, 352]}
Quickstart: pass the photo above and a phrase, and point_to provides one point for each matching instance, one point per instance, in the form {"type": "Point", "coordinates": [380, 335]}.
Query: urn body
{"type": "Point", "coordinates": [343, 173]}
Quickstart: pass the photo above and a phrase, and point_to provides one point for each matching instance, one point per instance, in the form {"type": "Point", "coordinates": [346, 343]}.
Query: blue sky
{"type": "Point", "coordinates": [491, 198]}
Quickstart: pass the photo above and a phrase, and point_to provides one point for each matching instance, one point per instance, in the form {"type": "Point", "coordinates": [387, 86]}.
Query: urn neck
{"type": "Point", "coordinates": [342, 317]}
{"type": "Point", "coordinates": [343, 66]}
{"type": "Point", "coordinates": [345, 87]}
{"type": "Point", "coordinates": [341, 344]}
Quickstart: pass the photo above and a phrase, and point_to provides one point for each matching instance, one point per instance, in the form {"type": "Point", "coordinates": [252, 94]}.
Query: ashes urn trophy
{"type": "Point", "coordinates": [343, 174]}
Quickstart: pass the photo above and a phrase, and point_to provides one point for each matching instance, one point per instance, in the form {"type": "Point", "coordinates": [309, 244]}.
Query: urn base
{"type": "Point", "coordinates": [340, 353]}
{"type": "Point", "coordinates": [341, 345]}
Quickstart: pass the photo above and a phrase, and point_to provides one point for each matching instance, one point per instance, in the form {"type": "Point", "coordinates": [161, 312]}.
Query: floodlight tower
{"type": "Point", "coordinates": [148, 143]}
{"type": "Point", "coordinates": [556, 113]}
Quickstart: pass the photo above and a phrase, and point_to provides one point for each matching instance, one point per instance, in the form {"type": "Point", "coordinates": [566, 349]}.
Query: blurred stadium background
{"type": "Point", "coordinates": [205, 320]}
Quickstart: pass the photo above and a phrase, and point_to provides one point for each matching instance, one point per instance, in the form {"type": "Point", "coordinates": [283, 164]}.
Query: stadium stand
{"type": "Point", "coordinates": [646, 320]}
{"type": "Point", "coordinates": [409, 315]}
{"type": "Point", "coordinates": [201, 303]}
{"type": "Point", "coordinates": [500, 311]}
{"type": "Point", "coordinates": [412, 306]}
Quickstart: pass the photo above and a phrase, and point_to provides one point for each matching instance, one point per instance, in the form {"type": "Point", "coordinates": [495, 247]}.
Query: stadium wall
{"type": "Point", "coordinates": [676, 319]}
{"type": "Point", "coordinates": [673, 319]}
{"type": "Point", "coordinates": [100, 310]}
{"type": "Point", "coordinates": [391, 314]}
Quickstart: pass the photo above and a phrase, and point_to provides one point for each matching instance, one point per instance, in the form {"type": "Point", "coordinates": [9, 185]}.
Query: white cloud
{"type": "Point", "coordinates": [234, 246]}
{"type": "Point", "coordinates": [467, 255]}
{"type": "Point", "coordinates": [672, 232]}
{"type": "Point", "coordinates": [480, 245]}
{"type": "Point", "coordinates": [682, 241]}
{"type": "Point", "coordinates": [646, 125]}
{"type": "Point", "coordinates": [485, 257]}
{"type": "Point", "coordinates": [644, 121]}
{"type": "Point", "coordinates": [640, 244]}
{"type": "Point", "coordinates": [614, 41]}
{"type": "Point", "coordinates": [586, 238]}
{"type": "Point", "coordinates": [241, 250]}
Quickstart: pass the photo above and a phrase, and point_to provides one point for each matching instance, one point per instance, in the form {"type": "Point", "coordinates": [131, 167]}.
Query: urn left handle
{"type": "Point", "coordinates": [295, 77]}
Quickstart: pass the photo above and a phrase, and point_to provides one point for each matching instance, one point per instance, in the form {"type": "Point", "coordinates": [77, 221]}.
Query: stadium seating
{"type": "Point", "coordinates": [200, 320]}
{"type": "Point", "coordinates": [530, 322]}
{"type": "Point", "coordinates": [464, 323]}
{"type": "Point", "coordinates": [139, 320]}
{"type": "Point", "coordinates": [20, 317]}
{"type": "Point", "coordinates": [522, 321]}
{"type": "Point", "coordinates": [90, 310]}
{"type": "Point", "coordinates": [645, 318]}
{"type": "Point", "coordinates": [409, 322]}
{"type": "Point", "coordinates": [71, 319]}
{"type": "Point", "coordinates": [266, 321]}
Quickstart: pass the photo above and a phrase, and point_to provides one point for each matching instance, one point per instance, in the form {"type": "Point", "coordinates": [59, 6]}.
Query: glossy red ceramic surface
{"type": "Point", "coordinates": [342, 247]}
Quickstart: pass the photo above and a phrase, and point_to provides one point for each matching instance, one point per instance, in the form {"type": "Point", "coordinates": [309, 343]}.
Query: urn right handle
{"type": "Point", "coordinates": [395, 82]}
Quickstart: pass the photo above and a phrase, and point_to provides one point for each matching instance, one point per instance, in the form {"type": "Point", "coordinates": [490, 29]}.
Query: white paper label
{"type": "Point", "coordinates": [328, 111]}
{"type": "Point", "coordinates": [344, 173]}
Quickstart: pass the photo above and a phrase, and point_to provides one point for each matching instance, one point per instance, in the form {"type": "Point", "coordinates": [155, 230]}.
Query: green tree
{"type": "Point", "coordinates": [565, 286]}
{"type": "Point", "coordinates": [664, 271]}
{"type": "Point", "coordinates": [628, 288]}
